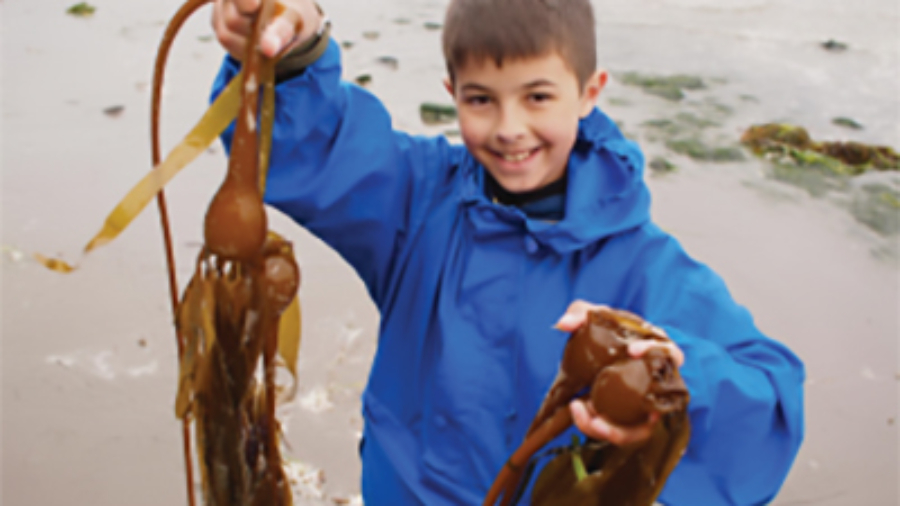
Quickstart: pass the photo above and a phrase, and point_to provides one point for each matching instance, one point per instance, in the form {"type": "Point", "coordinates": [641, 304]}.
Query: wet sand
{"type": "Point", "coordinates": [88, 359]}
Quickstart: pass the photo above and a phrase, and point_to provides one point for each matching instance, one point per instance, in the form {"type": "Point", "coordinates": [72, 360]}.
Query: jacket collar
{"type": "Point", "coordinates": [606, 193]}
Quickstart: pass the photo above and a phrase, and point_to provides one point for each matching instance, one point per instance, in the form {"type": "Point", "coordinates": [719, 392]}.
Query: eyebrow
{"type": "Point", "coordinates": [533, 84]}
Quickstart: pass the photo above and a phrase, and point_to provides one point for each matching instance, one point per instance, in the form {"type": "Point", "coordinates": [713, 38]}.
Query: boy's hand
{"type": "Point", "coordinates": [232, 19]}
{"type": "Point", "coordinates": [586, 419]}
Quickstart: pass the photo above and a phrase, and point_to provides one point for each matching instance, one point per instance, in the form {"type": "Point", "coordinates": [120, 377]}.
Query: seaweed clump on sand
{"type": "Point", "coordinates": [791, 145]}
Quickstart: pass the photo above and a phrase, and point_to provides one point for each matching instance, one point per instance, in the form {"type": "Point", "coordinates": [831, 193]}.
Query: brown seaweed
{"type": "Point", "coordinates": [237, 308]}
{"type": "Point", "coordinates": [625, 390]}
{"type": "Point", "coordinates": [239, 313]}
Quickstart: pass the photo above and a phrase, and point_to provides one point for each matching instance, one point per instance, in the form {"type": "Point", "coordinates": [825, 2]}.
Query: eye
{"type": "Point", "coordinates": [539, 97]}
{"type": "Point", "coordinates": [477, 100]}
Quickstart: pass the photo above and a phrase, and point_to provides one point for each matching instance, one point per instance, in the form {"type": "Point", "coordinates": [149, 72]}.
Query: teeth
{"type": "Point", "coordinates": [517, 157]}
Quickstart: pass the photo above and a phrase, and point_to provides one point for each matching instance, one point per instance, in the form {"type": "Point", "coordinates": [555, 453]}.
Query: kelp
{"type": "Point", "coordinates": [239, 316]}
{"type": "Point", "coordinates": [240, 311]}
{"type": "Point", "coordinates": [230, 318]}
{"type": "Point", "coordinates": [597, 368]}
{"type": "Point", "coordinates": [792, 145]}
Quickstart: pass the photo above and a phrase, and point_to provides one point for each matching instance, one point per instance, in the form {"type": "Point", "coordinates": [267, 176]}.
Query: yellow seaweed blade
{"type": "Point", "coordinates": [214, 121]}
{"type": "Point", "coordinates": [216, 118]}
{"type": "Point", "coordinates": [289, 338]}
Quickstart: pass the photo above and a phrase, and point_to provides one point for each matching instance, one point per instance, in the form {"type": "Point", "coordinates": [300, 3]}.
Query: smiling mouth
{"type": "Point", "coordinates": [518, 156]}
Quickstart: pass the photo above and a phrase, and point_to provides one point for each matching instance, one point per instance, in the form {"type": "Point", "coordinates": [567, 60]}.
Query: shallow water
{"type": "Point", "coordinates": [88, 360]}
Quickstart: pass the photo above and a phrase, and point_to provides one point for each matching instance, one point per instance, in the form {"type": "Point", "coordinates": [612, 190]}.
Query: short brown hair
{"type": "Point", "coordinates": [515, 29]}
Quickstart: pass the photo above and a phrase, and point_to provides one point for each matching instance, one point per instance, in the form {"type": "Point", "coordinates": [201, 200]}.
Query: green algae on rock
{"type": "Point", "coordinates": [660, 165]}
{"type": "Point", "coordinates": [618, 101]}
{"type": "Point", "coordinates": [668, 87]}
{"type": "Point", "coordinates": [437, 114]}
{"type": "Point", "coordinates": [82, 9]}
{"type": "Point", "coordinates": [698, 149]}
{"type": "Point", "coordinates": [847, 122]}
{"type": "Point", "coordinates": [684, 134]}
{"type": "Point", "coordinates": [877, 206]}
{"type": "Point", "coordinates": [684, 123]}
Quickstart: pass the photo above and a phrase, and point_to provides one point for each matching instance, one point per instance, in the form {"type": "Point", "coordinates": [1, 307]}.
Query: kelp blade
{"type": "Point", "coordinates": [214, 121]}
{"type": "Point", "coordinates": [195, 320]}
{"type": "Point", "coordinates": [289, 339]}
{"type": "Point", "coordinates": [216, 118]}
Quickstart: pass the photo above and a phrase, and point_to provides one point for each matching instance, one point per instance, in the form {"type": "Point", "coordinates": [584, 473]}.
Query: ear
{"type": "Point", "coordinates": [591, 92]}
{"type": "Point", "coordinates": [448, 85]}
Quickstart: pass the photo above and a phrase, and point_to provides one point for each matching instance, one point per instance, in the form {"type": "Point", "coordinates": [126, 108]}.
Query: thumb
{"type": "Point", "coordinates": [576, 314]}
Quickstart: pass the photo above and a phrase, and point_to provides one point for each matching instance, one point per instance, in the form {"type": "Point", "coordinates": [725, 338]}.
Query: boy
{"type": "Point", "coordinates": [472, 254]}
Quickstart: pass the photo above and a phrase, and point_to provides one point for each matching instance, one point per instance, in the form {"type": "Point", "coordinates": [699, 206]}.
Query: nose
{"type": "Point", "coordinates": [510, 125]}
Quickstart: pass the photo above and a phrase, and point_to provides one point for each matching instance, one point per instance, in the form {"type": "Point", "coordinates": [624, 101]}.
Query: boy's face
{"type": "Point", "coordinates": [521, 120]}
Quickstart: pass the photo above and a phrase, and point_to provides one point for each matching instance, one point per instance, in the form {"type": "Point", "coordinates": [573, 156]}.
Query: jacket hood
{"type": "Point", "coordinates": [606, 192]}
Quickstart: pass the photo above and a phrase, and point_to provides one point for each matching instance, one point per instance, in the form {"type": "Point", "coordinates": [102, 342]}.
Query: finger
{"type": "Point", "coordinates": [581, 417]}
{"type": "Point", "coordinates": [281, 32]}
{"type": "Point", "coordinates": [236, 21]}
{"type": "Point", "coordinates": [576, 315]}
{"type": "Point", "coordinates": [588, 422]}
{"type": "Point", "coordinates": [619, 435]}
{"type": "Point", "coordinates": [591, 424]}
{"type": "Point", "coordinates": [637, 349]}
{"type": "Point", "coordinates": [597, 427]}
{"type": "Point", "coordinates": [246, 7]}
{"type": "Point", "coordinates": [230, 27]}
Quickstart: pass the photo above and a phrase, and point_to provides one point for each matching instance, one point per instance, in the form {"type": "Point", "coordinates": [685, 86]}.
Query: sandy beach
{"type": "Point", "coordinates": [88, 359]}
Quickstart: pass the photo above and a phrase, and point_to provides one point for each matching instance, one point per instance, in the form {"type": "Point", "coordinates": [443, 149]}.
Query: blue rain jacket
{"type": "Point", "coordinates": [469, 290]}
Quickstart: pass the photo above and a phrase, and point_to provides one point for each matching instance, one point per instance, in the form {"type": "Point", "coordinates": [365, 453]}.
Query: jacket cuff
{"type": "Point", "coordinates": [294, 63]}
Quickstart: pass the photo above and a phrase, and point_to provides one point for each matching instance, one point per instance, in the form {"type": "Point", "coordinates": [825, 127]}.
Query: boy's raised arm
{"type": "Point", "coordinates": [337, 166]}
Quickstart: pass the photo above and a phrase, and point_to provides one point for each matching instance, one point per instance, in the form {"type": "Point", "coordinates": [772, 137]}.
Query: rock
{"type": "Point", "coordinates": [114, 111]}
{"type": "Point", "coordinates": [389, 61]}
{"type": "Point", "coordinates": [834, 46]}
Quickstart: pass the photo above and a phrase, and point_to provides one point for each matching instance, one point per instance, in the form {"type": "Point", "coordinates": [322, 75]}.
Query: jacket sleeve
{"type": "Point", "coordinates": [746, 407]}
{"type": "Point", "coordinates": [339, 169]}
